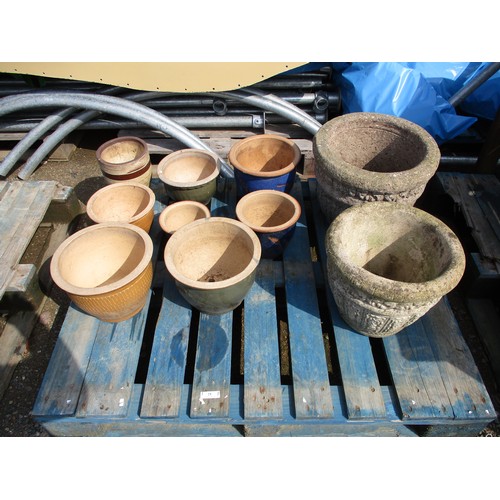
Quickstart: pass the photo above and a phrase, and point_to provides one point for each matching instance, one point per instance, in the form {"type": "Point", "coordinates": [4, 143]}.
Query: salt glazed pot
{"type": "Point", "coordinates": [365, 157]}
{"type": "Point", "coordinates": [273, 215]}
{"type": "Point", "coordinates": [180, 213]}
{"type": "Point", "coordinates": [388, 264]}
{"type": "Point", "coordinates": [106, 270]}
{"type": "Point", "coordinates": [131, 203]}
{"type": "Point", "coordinates": [125, 159]}
{"type": "Point", "coordinates": [213, 262]}
{"type": "Point", "coordinates": [265, 161]}
{"type": "Point", "coordinates": [190, 174]}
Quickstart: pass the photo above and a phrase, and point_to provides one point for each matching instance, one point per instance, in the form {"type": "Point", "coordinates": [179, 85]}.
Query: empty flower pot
{"type": "Point", "coordinates": [125, 159]}
{"type": "Point", "coordinates": [273, 216]}
{"type": "Point", "coordinates": [130, 203]}
{"type": "Point", "coordinates": [364, 157]}
{"type": "Point", "coordinates": [180, 213]}
{"type": "Point", "coordinates": [388, 264]}
{"type": "Point", "coordinates": [265, 161]}
{"type": "Point", "coordinates": [213, 262]}
{"type": "Point", "coordinates": [106, 270]}
{"type": "Point", "coordinates": [189, 174]}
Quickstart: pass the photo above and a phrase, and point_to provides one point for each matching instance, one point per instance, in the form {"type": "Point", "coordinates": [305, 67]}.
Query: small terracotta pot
{"type": "Point", "coordinates": [213, 262]}
{"type": "Point", "coordinates": [189, 174]}
{"type": "Point", "coordinates": [388, 264]}
{"type": "Point", "coordinates": [273, 216]}
{"type": "Point", "coordinates": [180, 213]}
{"type": "Point", "coordinates": [265, 161]}
{"type": "Point", "coordinates": [125, 159]}
{"type": "Point", "coordinates": [105, 269]}
{"type": "Point", "coordinates": [130, 203]}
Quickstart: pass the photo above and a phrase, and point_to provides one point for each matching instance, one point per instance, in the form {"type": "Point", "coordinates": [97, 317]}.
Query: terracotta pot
{"type": "Point", "coordinates": [106, 270]}
{"type": "Point", "coordinates": [125, 159]}
{"type": "Point", "coordinates": [180, 213]}
{"type": "Point", "coordinates": [388, 264]}
{"type": "Point", "coordinates": [213, 262]}
{"type": "Point", "coordinates": [130, 203]}
{"type": "Point", "coordinates": [189, 174]}
{"type": "Point", "coordinates": [273, 216]}
{"type": "Point", "coordinates": [265, 161]}
{"type": "Point", "coordinates": [364, 157]}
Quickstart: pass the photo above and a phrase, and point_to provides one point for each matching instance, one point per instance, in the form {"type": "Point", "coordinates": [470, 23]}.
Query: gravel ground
{"type": "Point", "coordinates": [82, 172]}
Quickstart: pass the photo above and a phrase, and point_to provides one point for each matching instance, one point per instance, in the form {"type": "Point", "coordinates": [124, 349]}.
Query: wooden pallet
{"type": "Point", "coordinates": [283, 363]}
{"type": "Point", "coordinates": [42, 208]}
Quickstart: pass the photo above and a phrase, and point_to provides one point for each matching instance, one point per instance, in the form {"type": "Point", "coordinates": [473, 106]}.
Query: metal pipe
{"type": "Point", "coordinates": [113, 105]}
{"type": "Point", "coordinates": [470, 87]}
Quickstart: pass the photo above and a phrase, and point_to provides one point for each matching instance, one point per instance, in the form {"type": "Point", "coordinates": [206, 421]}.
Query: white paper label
{"type": "Point", "coordinates": [210, 395]}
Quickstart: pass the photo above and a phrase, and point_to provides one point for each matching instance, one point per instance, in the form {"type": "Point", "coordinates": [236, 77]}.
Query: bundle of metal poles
{"type": "Point", "coordinates": [307, 100]}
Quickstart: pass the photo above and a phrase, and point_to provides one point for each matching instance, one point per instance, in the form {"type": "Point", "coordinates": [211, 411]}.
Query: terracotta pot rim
{"type": "Point", "coordinates": [121, 185]}
{"type": "Point", "coordinates": [376, 181]}
{"type": "Point", "coordinates": [393, 290]}
{"type": "Point", "coordinates": [232, 157]}
{"type": "Point", "coordinates": [172, 157]}
{"type": "Point", "coordinates": [268, 192]}
{"type": "Point", "coordinates": [179, 204]}
{"type": "Point", "coordinates": [115, 168]}
{"type": "Point", "coordinates": [181, 233]}
{"type": "Point", "coordinates": [85, 291]}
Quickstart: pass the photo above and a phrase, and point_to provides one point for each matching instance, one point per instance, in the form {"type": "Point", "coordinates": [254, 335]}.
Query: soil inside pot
{"type": "Point", "coordinates": [265, 156]}
{"type": "Point", "coordinates": [121, 204]}
{"type": "Point", "coordinates": [122, 152]}
{"type": "Point", "coordinates": [268, 213]}
{"type": "Point", "coordinates": [189, 169]}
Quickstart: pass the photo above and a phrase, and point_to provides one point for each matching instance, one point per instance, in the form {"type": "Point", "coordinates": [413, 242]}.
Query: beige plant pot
{"type": "Point", "coordinates": [125, 159]}
{"type": "Point", "coordinates": [388, 264]}
{"type": "Point", "coordinates": [180, 213]}
{"type": "Point", "coordinates": [131, 203]}
{"type": "Point", "coordinates": [106, 270]}
{"type": "Point", "coordinates": [190, 174]}
{"type": "Point", "coordinates": [213, 262]}
{"type": "Point", "coordinates": [365, 157]}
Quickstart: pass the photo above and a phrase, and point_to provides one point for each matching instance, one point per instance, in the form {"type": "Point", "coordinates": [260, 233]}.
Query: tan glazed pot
{"type": "Point", "coordinates": [388, 264]}
{"type": "Point", "coordinates": [180, 213]}
{"type": "Point", "coordinates": [365, 157]}
{"type": "Point", "coordinates": [130, 203]}
{"type": "Point", "coordinates": [213, 262]}
{"type": "Point", "coordinates": [106, 270]}
{"type": "Point", "coordinates": [125, 159]}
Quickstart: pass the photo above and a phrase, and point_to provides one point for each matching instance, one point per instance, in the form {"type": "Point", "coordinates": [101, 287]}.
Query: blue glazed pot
{"type": "Point", "coordinates": [265, 161]}
{"type": "Point", "coordinates": [273, 216]}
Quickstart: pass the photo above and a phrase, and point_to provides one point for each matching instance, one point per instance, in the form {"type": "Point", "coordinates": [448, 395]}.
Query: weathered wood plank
{"type": "Point", "coordinates": [212, 370]}
{"type": "Point", "coordinates": [261, 351]}
{"type": "Point", "coordinates": [162, 391]}
{"type": "Point", "coordinates": [464, 385]}
{"type": "Point", "coordinates": [308, 359]}
{"type": "Point", "coordinates": [359, 375]}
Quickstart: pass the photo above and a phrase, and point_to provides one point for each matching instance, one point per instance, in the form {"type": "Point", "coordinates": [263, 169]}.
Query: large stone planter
{"type": "Point", "coordinates": [388, 264]}
{"type": "Point", "coordinates": [364, 157]}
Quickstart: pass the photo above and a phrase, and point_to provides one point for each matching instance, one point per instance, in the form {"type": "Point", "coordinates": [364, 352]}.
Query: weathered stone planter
{"type": "Point", "coordinates": [106, 270]}
{"type": "Point", "coordinates": [125, 159]}
{"type": "Point", "coordinates": [273, 216]}
{"type": "Point", "coordinates": [364, 157]}
{"type": "Point", "coordinates": [180, 213]}
{"type": "Point", "coordinates": [388, 264]}
{"type": "Point", "coordinates": [189, 174]}
{"type": "Point", "coordinates": [131, 203]}
{"type": "Point", "coordinates": [213, 262]}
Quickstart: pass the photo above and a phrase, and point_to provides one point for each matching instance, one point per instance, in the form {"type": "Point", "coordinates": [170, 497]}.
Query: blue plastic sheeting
{"type": "Point", "coordinates": [418, 92]}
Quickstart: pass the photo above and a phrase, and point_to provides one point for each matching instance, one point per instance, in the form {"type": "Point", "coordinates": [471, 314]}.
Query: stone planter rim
{"type": "Point", "coordinates": [82, 233]}
{"type": "Point", "coordinates": [124, 167]}
{"type": "Point", "coordinates": [392, 290]}
{"type": "Point", "coordinates": [191, 228]}
{"type": "Point", "coordinates": [177, 205]}
{"type": "Point", "coordinates": [268, 192]}
{"type": "Point", "coordinates": [181, 153]}
{"type": "Point", "coordinates": [400, 181]}
{"type": "Point", "coordinates": [121, 185]}
{"type": "Point", "coordinates": [233, 154]}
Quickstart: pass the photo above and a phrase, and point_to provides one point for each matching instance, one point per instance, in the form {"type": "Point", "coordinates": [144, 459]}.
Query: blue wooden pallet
{"type": "Point", "coordinates": [282, 364]}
